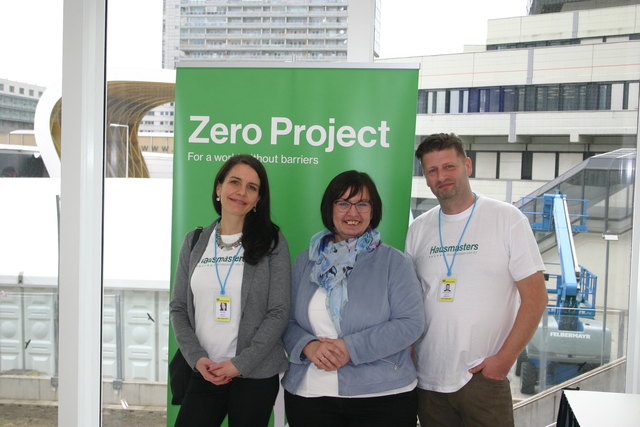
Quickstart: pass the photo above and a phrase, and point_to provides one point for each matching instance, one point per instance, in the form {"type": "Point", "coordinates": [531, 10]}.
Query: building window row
{"type": "Point", "coordinates": [16, 115]}
{"type": "Point", "coordinates": [203, 20]}
{"type": "Point", "coordinates": [563, 42]}
{"type": "Point", "coordinates": [19, 90]}
{"type": "Point", "coordinates": [222, 32]}
{"type": "Point", "coordinates": [555, 97]}
{"type": "Point", "coordinates": [17, 102]}
{"type": "Point", "coordinates": [203, 54]}
{"type": "Point", "coordinates": [184, 43]}
{"type": "Point", "coordinates": [297, 9]}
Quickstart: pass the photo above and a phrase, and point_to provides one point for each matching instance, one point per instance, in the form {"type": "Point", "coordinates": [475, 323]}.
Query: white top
{"type": "Point", "coordinates": [497, 250]}
{"type": "Point", "coordinates": [316, 382]}
{"type": "Point", "coordinates": [218, 338]}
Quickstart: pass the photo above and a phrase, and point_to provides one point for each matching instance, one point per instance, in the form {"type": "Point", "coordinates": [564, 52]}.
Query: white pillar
{"type": "Point", "coordinates": [633, 344]}
{"type": "Point", "coordinates": [80, 276]}
{"type": "Point", "coordinates": [361, 30]}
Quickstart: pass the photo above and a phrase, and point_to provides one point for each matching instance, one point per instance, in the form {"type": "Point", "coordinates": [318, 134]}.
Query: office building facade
{"type": "Point", "coordinates": [549, 91]}
{"type": "Point", "coordinates": [17, 105]}
{"type": "Point", "coordinates": [278, 30]}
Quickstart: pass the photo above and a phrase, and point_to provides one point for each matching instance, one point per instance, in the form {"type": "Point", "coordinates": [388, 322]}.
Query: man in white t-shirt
{"type": "Point", "coordinates": [484, 293]}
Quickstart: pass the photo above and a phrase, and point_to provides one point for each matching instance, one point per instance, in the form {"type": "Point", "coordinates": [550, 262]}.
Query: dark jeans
{"type": "Point", "coordinates": [482, 402]}
{"type": "Point", "coordinates": [248, 402]}
{"type": "Point", "coordinates": [396, 410]}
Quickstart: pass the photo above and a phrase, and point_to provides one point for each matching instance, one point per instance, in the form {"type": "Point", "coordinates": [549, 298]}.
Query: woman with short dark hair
{"type": "Point", "coordinates": [230, 303]}
{"type": "Point", "coordinates": [356, 311]}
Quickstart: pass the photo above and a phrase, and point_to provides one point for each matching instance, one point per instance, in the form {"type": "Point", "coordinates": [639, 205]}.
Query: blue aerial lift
{"type": "Point", "coordinates": [569, 341]}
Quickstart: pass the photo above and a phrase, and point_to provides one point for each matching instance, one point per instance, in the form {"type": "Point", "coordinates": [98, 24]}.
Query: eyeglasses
{"type": "Point", "coordinates": [362, 206]}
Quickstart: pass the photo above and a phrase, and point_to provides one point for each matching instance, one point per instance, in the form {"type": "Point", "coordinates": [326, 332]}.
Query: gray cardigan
{"type": "Point", "coordinates": [266, 297]}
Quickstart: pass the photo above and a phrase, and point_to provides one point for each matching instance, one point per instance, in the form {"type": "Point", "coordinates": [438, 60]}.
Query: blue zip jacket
{"type": "Point", "coordinates": [383, 317]}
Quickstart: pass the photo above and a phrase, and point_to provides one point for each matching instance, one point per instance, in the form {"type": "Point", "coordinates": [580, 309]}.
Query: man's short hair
{"type": "Point", "coordinates": [439, 142]}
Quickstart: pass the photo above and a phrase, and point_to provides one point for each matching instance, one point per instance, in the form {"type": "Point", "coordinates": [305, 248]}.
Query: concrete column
{"type": "Point", "coordinates": [80, 273]}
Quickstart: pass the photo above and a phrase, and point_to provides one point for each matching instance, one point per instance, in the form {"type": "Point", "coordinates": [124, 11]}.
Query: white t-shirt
{"type": "Point", "coordinates": [472, 321]}
{"type": "Point", "coordinates": [218, 338]}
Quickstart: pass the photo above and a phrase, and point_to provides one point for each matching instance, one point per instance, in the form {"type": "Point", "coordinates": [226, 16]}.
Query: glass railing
{"type": "Point", "coordinates": [555, 355]}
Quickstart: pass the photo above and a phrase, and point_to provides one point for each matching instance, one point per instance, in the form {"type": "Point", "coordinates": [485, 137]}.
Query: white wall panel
{"type": "Point", "coordinates": [521, 189]}
{"type": "Point", "coordinates": [568, 160]}
{"type": "Point", "coordinates": [504, 30]}
{"type": "Point", "coordinates": [510, 165]}
{"type": "Point", "coordinates": [494, 68]}
{"type": "Point", "coordinates": [616, 61]}
{"type": "Point", "coordinates": [591, 23]}
{"type": "Point", "coordinates": [29, 317]}
{"type": "Point", "coordinates": [162, 325]}
{"type": "Point", "coordinates": [562, 64]}
{"type": "Point", "coordinates": [446, 71]}
{"type": "Point", "coordinates": [607, 21]}
{"type": "Point", "coordinates": [109, 337]}
{"type": "Point", "coordinates": [487, 187]}
{"type": "Point", "coordinates": [577, 122]}
{"type": "Point", "coordinates": [544, 166]}
{"type": "Point", "coordinates": [140, 337]}
{"type": "Point", "coordinates": [548, 26]}
{"type": "Point", "coordinates": [39, 332]}
{"type": "Point", "coordinates": [485, 165]}
{"type": "Point", "coordinates": [11, 338]}
{"type": "Point", "coordinates": [467, 124]}
{"type": "Point", "coordinates": [617, 96]}
{"type": "Point", "coordinates": [633, 96]}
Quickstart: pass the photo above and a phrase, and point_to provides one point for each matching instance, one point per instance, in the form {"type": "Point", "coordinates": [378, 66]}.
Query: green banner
{"type": "Point", "coordinates": [306, 123]}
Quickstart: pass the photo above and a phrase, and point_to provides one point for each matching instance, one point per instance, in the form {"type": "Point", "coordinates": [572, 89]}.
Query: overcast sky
{"type": "Point", "coordinates": [31, 32]}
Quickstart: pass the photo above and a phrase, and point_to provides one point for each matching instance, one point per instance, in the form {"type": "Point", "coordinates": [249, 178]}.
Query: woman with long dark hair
{"type": "Point", "coordinates": [230, 303]}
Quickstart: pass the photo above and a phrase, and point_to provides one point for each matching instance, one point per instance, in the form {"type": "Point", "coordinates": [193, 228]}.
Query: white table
{"type": "Point", "coordinates": [599, 409]}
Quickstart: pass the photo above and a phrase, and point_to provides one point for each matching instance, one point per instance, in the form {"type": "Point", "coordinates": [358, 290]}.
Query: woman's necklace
{"type": "Point", "coordinates": [227, 246]}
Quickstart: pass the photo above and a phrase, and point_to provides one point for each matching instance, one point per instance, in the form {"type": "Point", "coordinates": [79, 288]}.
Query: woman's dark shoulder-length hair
{"type": "Point", "coordinates": [353, 181]}
{"type": "Point", "coordinates": [259, 233]}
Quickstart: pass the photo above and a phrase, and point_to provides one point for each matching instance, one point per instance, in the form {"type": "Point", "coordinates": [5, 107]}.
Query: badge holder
{"type": "Point", "coordinates": [447, 289]}
{"type": "Point", "coordinates": [223, 309]}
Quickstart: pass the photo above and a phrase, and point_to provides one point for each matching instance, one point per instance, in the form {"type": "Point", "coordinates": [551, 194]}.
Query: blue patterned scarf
{"type": "Point", "coordinates": [333, 262]}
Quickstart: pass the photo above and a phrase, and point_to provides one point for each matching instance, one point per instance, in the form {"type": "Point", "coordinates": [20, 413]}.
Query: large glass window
{"type": "Point", "coordinates": [30, 72]}
{"type": "Point", "coordinates": [569, 124]}
{"type": "Point", "coordinates": [138, 188]}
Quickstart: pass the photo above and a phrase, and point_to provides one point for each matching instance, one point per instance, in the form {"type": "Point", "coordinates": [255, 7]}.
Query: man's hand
{"type": "Point", "coordinates": [492, 368]}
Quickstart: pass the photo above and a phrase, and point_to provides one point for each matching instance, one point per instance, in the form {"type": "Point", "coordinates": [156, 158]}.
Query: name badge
{"type": "Point", "coordinates": [223, 309]}
{"type": "Point", "coordinates": [447, 289]}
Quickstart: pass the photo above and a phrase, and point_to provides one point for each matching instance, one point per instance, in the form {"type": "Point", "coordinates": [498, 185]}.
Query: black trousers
{"type": "Point", "coordinates": [248, 402]}
{"type": "Point", "coordinates": [396, 410]}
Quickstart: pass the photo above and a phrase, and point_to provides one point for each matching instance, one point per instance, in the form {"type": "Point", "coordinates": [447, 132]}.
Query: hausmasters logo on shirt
{"type": "Point", "coordinates": [222, 259]}
{"type": "Point", "coordinates": [463, 248]}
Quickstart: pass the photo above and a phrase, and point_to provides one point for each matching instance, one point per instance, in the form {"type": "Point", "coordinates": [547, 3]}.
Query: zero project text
{"type": "Point", "coordinates": [327, 135]}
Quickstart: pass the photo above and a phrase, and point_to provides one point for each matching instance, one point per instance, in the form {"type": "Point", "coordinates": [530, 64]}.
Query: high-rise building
{"type": "Point", "coordinates": [263, 30]}
{"type": "Point", "coordinates": [278, 30]}
{"type": "Point", "coordinates": [17, 105]}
